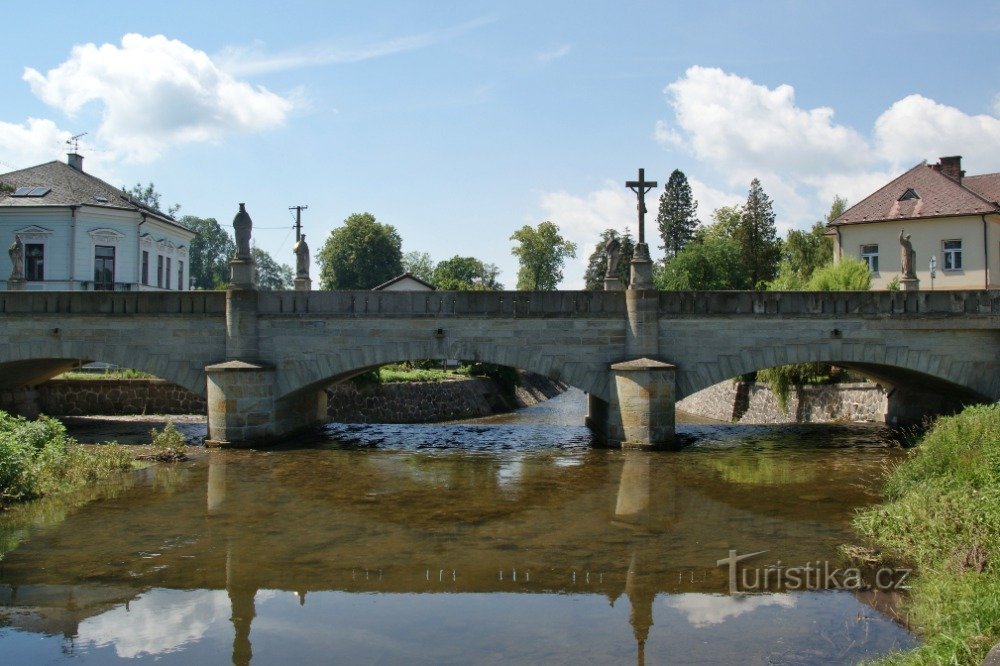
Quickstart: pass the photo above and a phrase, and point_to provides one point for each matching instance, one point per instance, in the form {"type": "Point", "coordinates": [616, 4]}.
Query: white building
{"type": "Point", "coordinates": [81, 233]}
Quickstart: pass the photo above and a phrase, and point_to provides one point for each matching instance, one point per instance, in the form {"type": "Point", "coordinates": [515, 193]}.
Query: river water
{"type": "Point", "coordinates": [507, 539]}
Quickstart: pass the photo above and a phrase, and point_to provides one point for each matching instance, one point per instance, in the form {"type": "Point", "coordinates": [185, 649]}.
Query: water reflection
{"type": "Point", "coordinates": [468, 542]}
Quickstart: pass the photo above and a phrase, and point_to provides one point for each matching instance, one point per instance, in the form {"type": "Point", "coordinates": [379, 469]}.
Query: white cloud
{"type": "Point", "coordinates": [916, 128]}
{"type": "Point", "coordinates": [35, 141]}
{"type": "Point", "coordinates": [703, 610]}
{"type": "Point", "coordinates": [156, 92]}
{"type": "Point", "coordinates": [553, 54]}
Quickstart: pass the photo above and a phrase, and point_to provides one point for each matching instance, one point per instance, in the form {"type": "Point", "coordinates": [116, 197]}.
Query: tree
{"type": "Point", "coordinates": [760, 248]}
{"type": "Point", "coordinates": [209, 252]}
{"type": "Point", "coordinates": [419, 264]}
{"type": "Point", "coordinates": [149, 197]}
{"type": "Point", "coordinates": [711, 261]}
{"type": "Point", "coordinates": [466, 274]}
{"type": "Point", "coordinates": [271, 276]}
{"type": "Point", "coordinates": [677, 218]}
{"type": "Point", "coordinates": [804, 252]}
{"type": "Point", "coordinates": [848, 274]}
{"type": "Point", "coordinates": [542, 253]}
{"type": "Point", "coordinates": [360, 255]}
{"type": "Point", "coordinates": [597, 264]}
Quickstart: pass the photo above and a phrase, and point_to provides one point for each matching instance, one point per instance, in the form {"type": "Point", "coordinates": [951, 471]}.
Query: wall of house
{"type": "Point", "coordinates": [927, 237]}
{"type": "Point", "coordinates": [56, 243]}
{"type": "Point", "coordinates": [90, 220]}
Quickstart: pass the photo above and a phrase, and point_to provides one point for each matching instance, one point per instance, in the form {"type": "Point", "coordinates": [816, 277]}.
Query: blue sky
{"type": "Point", "coordinates": [459, 122]}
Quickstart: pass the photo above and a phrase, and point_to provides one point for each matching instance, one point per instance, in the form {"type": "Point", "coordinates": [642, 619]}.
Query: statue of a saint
{"type": "Point", "coordinates": [242, 226]}
{"type": "Point", "coordinates": [16, 253]}
{"type": "Point", "coordinates": [301, 257]}
{"type": "Point", "coordinates": [906, 255]}
{"type": "Point", "coordinates": [612, 250]}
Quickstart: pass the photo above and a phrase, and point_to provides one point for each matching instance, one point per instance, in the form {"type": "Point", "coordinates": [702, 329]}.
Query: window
{"type": "Point", "coordinates": [34, 262]}
{"type": "Point", "coordinates": [180, 275]}
{"type": "Point", "coordinates": [952, 255]}
{"type": "Point", "coordinates": [104, 267]}
{"type": "Point", "coordinates": [159, 270]}
{"type": "Point", "coordinates": [145, 267]}
{"type": "Point", "coordinates": [168, 272]}
{"type": "Point", "coordinates": [869, 255]}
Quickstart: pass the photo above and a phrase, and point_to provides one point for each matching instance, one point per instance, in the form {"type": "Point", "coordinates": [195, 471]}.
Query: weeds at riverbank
{"type": "Point", "coordinates": [942, 515]}
{"type": "Point", "coordinates": [37, 458]}
{"type": "Point", "coordinates": [168, 445]}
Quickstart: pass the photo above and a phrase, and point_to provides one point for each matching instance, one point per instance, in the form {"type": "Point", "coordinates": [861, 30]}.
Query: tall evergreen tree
{"type": "Point", "coordinates": [760, 248]}
{"type": "Point", "coordinates": [677, 218]}
{"type": "Point", "coordinates": [597, 264]}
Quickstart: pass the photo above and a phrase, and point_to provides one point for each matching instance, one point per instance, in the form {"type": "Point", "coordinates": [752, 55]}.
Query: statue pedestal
{"type": "Point", "coordinates": [642, 268]}
{"type": "Point", "coordinates": [241, 274]}
{"type": "Point", "coordinates": [15, 284]}
{"type": "Point", "coordinates": [613, 284]}
{"type": "Point", "coordinates": [303, 284]}
{"type": "Point", "coordinates": [909, 284]}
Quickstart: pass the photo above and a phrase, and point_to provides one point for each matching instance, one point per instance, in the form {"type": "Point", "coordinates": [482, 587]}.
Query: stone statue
{"type": "Point", "coordinates": [242, 226]}
{"type": "Point", "coordinates": [301, 258]}
{"type": "Point", "coordinates": [16, 253]}
{"type": "Point", "coordinates": [612, 250]}
{"type": "Point", "coordinates": [906, 256]}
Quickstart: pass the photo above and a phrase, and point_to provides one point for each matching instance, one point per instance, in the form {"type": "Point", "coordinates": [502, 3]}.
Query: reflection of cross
{"type": "Point", "coordinates": [640, 187]}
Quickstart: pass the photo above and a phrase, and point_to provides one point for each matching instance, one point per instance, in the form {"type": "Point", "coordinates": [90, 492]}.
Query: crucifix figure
{"type": "Point", "coordinates": [640, 187]}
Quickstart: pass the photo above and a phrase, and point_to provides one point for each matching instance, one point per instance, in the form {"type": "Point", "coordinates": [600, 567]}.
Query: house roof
{"type": "Point", "coordinates": [937, 195]}
{"type": "Point", "coordinates": [71, 187]}
{"type": "Point", "coordinates": [400, 278]}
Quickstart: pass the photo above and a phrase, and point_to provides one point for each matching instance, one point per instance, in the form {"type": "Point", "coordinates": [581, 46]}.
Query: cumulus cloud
{"type": "Point", "coordinates": [156, 92]}
{"type": "Point", "coordinates": [703, 610]}
{"type": "Point", "coordinates": [37, 140]}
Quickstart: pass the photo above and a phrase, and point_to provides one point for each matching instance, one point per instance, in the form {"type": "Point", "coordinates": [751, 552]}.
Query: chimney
{"type": "Point", "coordinates": [75, 160]}
{"type": "Point", "coordinates": [951, 167]}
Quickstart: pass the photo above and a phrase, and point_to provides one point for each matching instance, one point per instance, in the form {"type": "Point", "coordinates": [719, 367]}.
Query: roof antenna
{"type": "Point", "coordinates": [75, 142]}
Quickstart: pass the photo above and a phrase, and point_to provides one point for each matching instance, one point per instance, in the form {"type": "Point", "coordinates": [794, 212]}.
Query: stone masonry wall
{"type": "Point", "coordinates": [76, 397]}
{"type": "Point", "coordinates": [755, 403]}
{"type": "Point", "coordinates": [424, 402]}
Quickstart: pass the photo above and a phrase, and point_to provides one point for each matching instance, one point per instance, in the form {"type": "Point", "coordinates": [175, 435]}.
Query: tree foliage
{"type": "Point", "coordinates": [803, 252]}
{"type": "Point", "coordinates": [209, 252]}
{"type": "Point", "coordinates": [542, 253]}
{"type": "Point", "coordinates": [848, 274]}
{"type": "Point", "coordinates": [677, 218]}
{"type": "Point", "coordinates": [271, 275]}
{"type": "Point", "coordinates": [466, 274]}
{"type": "Point", "coordinates": [361, 254]}
{"type": "Point", "coordinates": [420, 265]}
{"type": "Point", "coordinates": [757, 236]}
{"type": "Point", "coordinates": [711, 261]}
{"type": "Point", "coordinates": [149, 197]}
{"type": "Point", "coordinates": [597, 264]}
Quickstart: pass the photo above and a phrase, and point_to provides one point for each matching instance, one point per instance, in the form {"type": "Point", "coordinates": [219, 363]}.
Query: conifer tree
{"type": "Point", "coordinates": [677, 217]}
{"type": "Point", "coordinates": [760, 248]}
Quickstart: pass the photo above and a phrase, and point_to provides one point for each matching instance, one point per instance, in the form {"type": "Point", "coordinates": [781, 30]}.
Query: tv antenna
{"type": "Point", "coordinates": [75, 141]}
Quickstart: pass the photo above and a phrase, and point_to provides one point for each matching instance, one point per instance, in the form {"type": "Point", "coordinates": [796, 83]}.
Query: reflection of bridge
{"type": "Point", "coordinates": [263, 358]}
{"type": "Point", "coordinates": [318, 521]}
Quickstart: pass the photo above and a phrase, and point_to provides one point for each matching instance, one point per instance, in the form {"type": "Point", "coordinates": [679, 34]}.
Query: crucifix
{"type": "Point", "coordinates": [640, 187]}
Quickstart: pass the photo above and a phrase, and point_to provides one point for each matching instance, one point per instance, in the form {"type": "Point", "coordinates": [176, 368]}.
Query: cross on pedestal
{"type": "Point", "coordinates": [640, 187]}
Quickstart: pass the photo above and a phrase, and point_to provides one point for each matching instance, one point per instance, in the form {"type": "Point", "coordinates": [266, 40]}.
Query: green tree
{"type": "Point", "coordinates": [466, 274]}
{"type": "Point", "coordinates": [360, 255]}
{"type": "Point", "coordinates": [711, 261]}
{"type": "Point", "coordinates": [542, 253]}
{"type": "Point", "coordinates": [419, 264]}
{"type": "Point", "coordinates": [209, 252]}
{"type": "Point", "coordinates": [760, 248]}
{"type": "Point", "coordinates": [677, 218]}
{"type": "Point", "coordinates": [597, 264]}
{"type": "Point", "coordinates": [149, 197]}
{"type": "Point", "coordinates": [803, 252]}
{"type": "Point", "coordinates": [271, 276]}
{"type": "Point", "coordinates": [848, 274]}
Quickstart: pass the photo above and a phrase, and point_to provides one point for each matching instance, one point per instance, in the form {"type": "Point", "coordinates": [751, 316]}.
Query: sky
{"type": "Point", "coordinates": [460, 122]}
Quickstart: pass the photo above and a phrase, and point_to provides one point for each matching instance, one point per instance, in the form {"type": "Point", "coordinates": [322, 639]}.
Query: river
{"type": "Point", "coordinates": [506, 539]}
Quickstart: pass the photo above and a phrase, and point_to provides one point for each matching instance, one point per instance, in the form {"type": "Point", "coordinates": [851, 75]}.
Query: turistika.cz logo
{"type": "Point", "coordinates": [818, 575]}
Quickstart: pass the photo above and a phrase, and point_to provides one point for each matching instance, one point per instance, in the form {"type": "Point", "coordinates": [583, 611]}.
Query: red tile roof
{"type": "Point", "coordinates": [938, 194]}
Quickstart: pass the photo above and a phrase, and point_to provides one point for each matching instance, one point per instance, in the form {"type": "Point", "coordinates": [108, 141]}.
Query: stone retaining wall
{"type": "Point", "coordinates": [742, 402]}
{"type": "Point", "coordinates": [79, 397]}
{"type": "Point", "coordinates": [425, 402]}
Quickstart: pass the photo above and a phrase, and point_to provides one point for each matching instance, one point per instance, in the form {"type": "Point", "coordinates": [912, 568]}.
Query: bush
{"type": "Point", "coordinates": [849, 274]}
{"type": "Point", "coordinates": [168, 444]}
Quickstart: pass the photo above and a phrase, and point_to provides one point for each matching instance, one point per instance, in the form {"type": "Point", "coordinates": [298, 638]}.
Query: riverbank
{"type": "Point", "coordinates": [942, 516]}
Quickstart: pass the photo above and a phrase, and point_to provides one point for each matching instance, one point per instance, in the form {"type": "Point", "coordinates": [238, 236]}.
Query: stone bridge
{"type": "Point", "coordinates": [262, 358]}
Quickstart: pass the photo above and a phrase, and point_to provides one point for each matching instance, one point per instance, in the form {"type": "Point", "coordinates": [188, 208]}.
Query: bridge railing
{"type": "Point", "coordinates": [790, 303]}
{"type": "Point", "coordinates": [113, 303]}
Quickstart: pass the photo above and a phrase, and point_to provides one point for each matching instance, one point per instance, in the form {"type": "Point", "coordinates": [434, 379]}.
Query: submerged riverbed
{"type": "Point", "coordinates": [503, 539]}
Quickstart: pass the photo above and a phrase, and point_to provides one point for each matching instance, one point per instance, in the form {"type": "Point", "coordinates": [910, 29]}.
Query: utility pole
{"type": "Point", "coordinates": [298, 221]}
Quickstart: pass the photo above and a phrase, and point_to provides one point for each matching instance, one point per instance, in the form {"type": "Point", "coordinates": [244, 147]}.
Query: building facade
{"type": "Point", "coordinates": [80, 233]}
{"type": "Point", "coordinates": [952, 222]}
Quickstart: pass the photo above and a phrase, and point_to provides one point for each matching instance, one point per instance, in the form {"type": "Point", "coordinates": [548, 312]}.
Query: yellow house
{"type": "Point", "coordinates": [952, 221]}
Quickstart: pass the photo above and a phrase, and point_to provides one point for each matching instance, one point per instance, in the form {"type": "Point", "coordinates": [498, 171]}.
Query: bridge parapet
{"type": "Point", "coordinates": [113, 303]}
{"type": "Point", "coordinates": [528, 304]}
{"type": "Point", "coordinates": [812, 303]}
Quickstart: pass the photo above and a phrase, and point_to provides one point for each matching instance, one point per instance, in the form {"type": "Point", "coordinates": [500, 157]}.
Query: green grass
{"type": "Point", "coordinates": [400, 373]}
{"type": "Point", "coordinates": [123, 373]}
{"type": "Point", "coordinates": [942, 515]}
{"type": "Point", "coordinates": [37, 458]}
